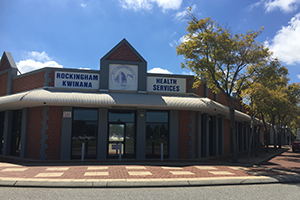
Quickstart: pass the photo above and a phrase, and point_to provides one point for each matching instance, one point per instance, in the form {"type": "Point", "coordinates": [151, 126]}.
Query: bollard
{"type": "Point", "coordinates": [82, 152]}
{"type": "Point", "coordinates": [162, 151]}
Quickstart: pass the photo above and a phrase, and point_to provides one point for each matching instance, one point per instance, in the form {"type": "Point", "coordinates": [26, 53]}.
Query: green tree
{"type": "Point", "coordinates": [258, 92]}
{"type": "Point", "coordinates": [212, 51]}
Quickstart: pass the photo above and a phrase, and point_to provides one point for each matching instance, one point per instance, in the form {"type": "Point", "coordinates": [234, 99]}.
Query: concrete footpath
{"type": "Point", "coordinates": [276, 166]}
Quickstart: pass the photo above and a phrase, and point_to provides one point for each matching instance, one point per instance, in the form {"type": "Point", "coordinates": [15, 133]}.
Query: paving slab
{"type": "Point", "coordinates": [153, 174]}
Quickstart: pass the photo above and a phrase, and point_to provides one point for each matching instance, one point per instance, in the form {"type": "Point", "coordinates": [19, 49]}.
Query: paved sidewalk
{"type": "Point", "coordinates": [212, 171]}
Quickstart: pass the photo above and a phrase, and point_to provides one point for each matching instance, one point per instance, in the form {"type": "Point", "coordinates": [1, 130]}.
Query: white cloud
{"type": "Point", "coordinates": [37, 56]}
{"type": "Point", "coordinates": [188, 73]}
{"type": "Point", "coordinates": [254, 5]}
{"type": "Point", "coordinates": [83, 5]}
{"type": "Point", "coordinates": [182, 15]}
{"type": "Point", "coordinates": [298, 76]}
{"type": "Point", "coordinates": [271, 5]}
{"type": "Point", "coordinates": [137, 5]}
{"type": "Point", "coordinates": [173, 43]}
{"type": "Point", "coordinates": [158, 70]}
{"type": "Point", "coordinates": [183, 39]}
{"type": "Point", "coordinates": [35, 60]}
{"type": "Point", "coordinates": [286, 43]}
{"type": "Point", "coordinates": [284, 5]}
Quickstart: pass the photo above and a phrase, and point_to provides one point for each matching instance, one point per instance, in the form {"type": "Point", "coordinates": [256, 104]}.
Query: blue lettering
{"type": "Point", "coordinates": [95, 77]}
{"type": "Point", "coordinates": [64, 83]}
{"type": "Point", "coordinates": [69, 83]}
{"type": "Point", "coordinates": [90, 85]}
{"type": "Point", "coordinates": [159, 80]}
{"type": "Point", "coordinates": [58, 75]}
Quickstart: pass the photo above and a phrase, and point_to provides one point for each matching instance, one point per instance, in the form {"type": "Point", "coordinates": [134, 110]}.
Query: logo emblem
{"type": "Point", "coordinates": [123, 77]}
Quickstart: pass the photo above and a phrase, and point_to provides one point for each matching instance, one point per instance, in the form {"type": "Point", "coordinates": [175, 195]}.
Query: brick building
{"type": "Point", "coordinates": [47, 114]}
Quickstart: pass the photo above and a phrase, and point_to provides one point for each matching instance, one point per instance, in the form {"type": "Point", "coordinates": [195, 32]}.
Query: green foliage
{"type": "Point", "coordinates": [212, 51]}
{"type": "Point", "coordinates": [220, 59]}
{"type": "Point", "coordinates": [272, 98]}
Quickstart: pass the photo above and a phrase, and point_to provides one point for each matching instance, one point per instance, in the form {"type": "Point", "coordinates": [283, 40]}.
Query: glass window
{"type": "Point", "coordinates": [121, 117]}
{"type": "Point", "coordinates": [157, 132]}
{"type": "Point", "coordinates": [16, 133]}
{"type": "Point", "coordinates": [84, 130]}
{"type": "Point", "coordinates": [157, 117]}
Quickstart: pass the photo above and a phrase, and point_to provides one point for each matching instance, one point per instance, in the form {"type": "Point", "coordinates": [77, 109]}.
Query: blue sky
{"type": "Point", "coordinates": [77, 33]}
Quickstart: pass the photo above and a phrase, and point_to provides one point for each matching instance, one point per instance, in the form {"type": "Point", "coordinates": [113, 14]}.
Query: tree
{"type": "Point", "coordinates": [273, 100]}
{"type": "Point", "coordinates": [219, 58]}
{"type": "Point", "coordinates": [258, 92]}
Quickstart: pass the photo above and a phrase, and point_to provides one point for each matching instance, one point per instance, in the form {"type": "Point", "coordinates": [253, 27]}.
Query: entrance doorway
{"type": "Point", "coordinates": [121, 134]}
{"type": "Point", "coordinates": [16, 133]}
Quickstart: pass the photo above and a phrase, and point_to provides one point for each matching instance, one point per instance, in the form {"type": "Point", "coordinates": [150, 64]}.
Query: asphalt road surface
{"type": "Point", "coordinates": [245, 192]}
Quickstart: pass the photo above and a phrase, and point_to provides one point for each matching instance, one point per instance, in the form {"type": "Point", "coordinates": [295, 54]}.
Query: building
{"type": "Point", "coordinates": [48, 113]}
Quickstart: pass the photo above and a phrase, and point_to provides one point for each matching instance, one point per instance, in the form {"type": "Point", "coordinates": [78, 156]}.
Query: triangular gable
{"type": "Point", "coordinates": [7, 61]}
{"type": "Point", "coordinates": [124, 52]}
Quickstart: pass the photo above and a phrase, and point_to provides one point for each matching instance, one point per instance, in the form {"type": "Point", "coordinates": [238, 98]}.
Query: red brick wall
{"type": "Point", "coordinates": [34, 136]}
{"type": "Point", "coordinates": [226, 136]}
{"type": "Point", "coordinates": [200, 90]}
{"type": "Point", "coordinates": [51, 76]}
{"type": "Point", "coordinates": [29, 82]}
{"type": "Point", "coordinates": [3, 83]}
{"type": "Point", "coordinates": [211, 95]}
{"type": "Point", "coordinates": [222, 99]}
{"type": "Point", "coordinates": [124, 53]}
{"type": "Point", "coordinates": [183, 134]}
{"type": "Point", "coordinates": [5, 64]}
{"type": "Point", "coordinates": [54, 133]}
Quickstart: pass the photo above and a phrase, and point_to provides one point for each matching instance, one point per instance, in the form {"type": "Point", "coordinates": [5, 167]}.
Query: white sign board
{"type": "Point", "coordinates": [76, 80]}
{"type": "Point", "coordinates": [67, 114]}
{"type": "Point", "coordinates": [123, 77]}
{"type": "Point", "coordinates": [166, 84]}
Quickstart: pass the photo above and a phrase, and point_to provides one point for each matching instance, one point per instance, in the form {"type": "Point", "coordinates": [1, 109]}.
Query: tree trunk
{"type": "Point", "coordinates": [266, 133]}
{"type": "Point", "coordinates": [232, 130]}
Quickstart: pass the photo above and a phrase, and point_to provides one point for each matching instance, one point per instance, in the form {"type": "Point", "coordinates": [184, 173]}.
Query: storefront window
{"type": "Point", "coordinates": [84, 130]}
{"type": "Point", "coordinates": [157, 132]}
{"type": "Point", "coordinates": [16, 133]}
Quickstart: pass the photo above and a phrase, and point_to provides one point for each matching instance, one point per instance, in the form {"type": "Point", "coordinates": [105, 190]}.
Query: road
{"type": "Point", "coordinates": [245, 192]}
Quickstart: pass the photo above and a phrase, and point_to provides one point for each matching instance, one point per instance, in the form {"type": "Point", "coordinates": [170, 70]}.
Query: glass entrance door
{"type": "Point", "coordinates": [121, 129]}
{"type": "Point", "coordinates": [116, 138]}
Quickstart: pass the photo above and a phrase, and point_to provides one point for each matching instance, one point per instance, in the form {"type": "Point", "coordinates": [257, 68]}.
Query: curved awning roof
{"type": "Point", "coordinates": [52, 97]}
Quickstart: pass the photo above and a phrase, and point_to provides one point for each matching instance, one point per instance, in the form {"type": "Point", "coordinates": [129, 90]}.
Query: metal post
{"type": "Point", "coordinates": [120, 151]}
{"type": "Point", "coordinates": [161, 151]}
{"type": "Point", "coordinates": [82, 152]}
